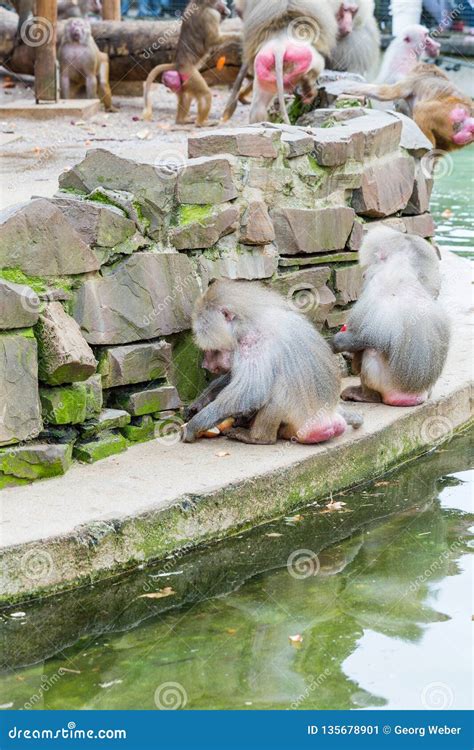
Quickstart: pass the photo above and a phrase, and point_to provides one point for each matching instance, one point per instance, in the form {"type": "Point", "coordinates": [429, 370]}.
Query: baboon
{"type": "Point", "coordinates": [66, 9]}
{"type": "Point", "coordinates": [284, 43]}
{"type": "Point", "coordinates": [439, 108]}
{"type": "Point", "coordinates": [404, 52]}
{"type": "Point", "coordinates": [200, 30]}
{"type": "Point", "coordinates": [397, 330]}
{"type": "Point", "coordinates": [357, 49]}
{"type": "Point", "coordinates": [83, 64]}
{"type": "Point", "coordinates": [283, 376]}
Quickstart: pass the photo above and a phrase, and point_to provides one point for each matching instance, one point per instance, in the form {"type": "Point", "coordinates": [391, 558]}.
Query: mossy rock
{"type": "Point", "coordinates": [36, 460]}
{"type": "Point", "coordinates": [140, 430]}
{"type": "Point", "coordinates": [107, 444]}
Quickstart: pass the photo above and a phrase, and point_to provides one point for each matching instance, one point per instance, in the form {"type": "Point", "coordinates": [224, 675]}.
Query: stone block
{"type": "Point", "coordinates": [97, 223]}
{"type": "Point", "coordinates": [106, 444]}
{"type": "Point", "coordinates": [207, 180]}
{"type": "Point", "coordinates": [301, 230]}
{"type": "Point", "coordinates": [386, 187]}
{"type": "Point", "coordinates": [148, 400]}
{"type": "Point", "coordinates": [20, 408]}
{"type": "Point", "coordinates": [256, 227]}
{"type": "Point", "coordinates": [233, 261]}
{"type": "Point", "coordinates": [142, 297]}
{"type": "Point", "coordinates": [140, 430]}
{"type": "Point", "coordinates": [64, 356]}
{"type": "Point", "coordinates": [19, 305]}
{"type": "Point", "coordinates": [208, 226]}
{"type": "Point", "coordinates": [36, 460]}
{"type": "Point", "coordinates": [108, 419]}
{"type": "Point", "coordinates": [256, 142]}
{"type": "Point", "coordinates": [134, 363]}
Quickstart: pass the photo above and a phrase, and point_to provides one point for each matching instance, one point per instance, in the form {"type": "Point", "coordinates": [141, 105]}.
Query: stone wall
{"type": "Point", "coordinates": [97, 284]}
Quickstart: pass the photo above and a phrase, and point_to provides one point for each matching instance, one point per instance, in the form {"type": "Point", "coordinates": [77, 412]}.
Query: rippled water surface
{"type": "Point", "coordinates": [452, 201]}
{"type": "Point", "coordinates": [381, 618]}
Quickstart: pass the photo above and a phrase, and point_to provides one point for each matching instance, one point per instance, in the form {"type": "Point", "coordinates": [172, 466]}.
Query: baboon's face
{"type": "Point", "coordinates": [78, 30]}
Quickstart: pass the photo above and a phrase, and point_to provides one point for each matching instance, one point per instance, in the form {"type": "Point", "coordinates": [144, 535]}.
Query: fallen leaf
{"type": "Point", "coordinates": [274, 534]}
{"type": "Point", "coordinates": [144, 134]}
{"type": "Point", "coordinates": [222, 454]}
{"type": "Point", "coordinates": [109, 684]}
{"type": "Point", "coordinates": [72, 671]}
{"type": "Point", "coordinates": [295, 639]}
{"type": "Point", "coordinates": [334, 505]}
{"type": "Point", "coordinates": [231, 631]}
{"type": "Point", "coordinates": [161, 594]}
{"type": "Point", "coordinates": [294, 519]}
{"type": "Point", "coordinates": [447, 213]}
{"type": "Point", "coordinates": [220, 63]}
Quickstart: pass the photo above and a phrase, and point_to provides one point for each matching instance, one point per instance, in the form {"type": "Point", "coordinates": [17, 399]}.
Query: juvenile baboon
{"type": "Point", "coordinates": [281, 369]}
{"type": "Point", "coordinates": [404, 52]}
{"type": "Point", "coordinates": [357, 49]}
{"type": "Point", "coordinates": [284, 43]}
{"type": "Point", "coordinates": [200, 30]}
{"type": "Point", "coordinates": [81, 63]}
{"type": "Point", "coordinates": [397, 329]}
{"type": "Point", "coordinates": [439, 108]}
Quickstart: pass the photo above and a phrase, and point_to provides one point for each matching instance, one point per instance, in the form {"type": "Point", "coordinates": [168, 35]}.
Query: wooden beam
{"type": "Point", "coordinates": [111, 10]}
{"type": "Point", "coordinates": [43, 34]}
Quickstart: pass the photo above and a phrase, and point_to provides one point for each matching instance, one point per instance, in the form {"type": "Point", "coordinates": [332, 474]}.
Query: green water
{"type": "Point", "coordinates": [452, 200]}
{"type": "Point", "coordinates": [382, 617]}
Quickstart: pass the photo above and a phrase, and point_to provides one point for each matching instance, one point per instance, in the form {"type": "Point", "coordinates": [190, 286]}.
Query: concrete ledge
{"type": "Point", "coordinates": [46, 111]}
{"type": "Point", "coordinates": [155, 499]}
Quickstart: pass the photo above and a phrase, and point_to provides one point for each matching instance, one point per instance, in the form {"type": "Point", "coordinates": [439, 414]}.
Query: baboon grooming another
{"type": "Point", "coordinates": [397, 329]}
{"type": "Point", "coordinates": [285, 42]}
{"type": "Point", "coordinates": [83, 64]}
{"type": "Point", "coordinates": [200, 30]}
{"type": "Point", "coordinates": [441, 111]}
{"type": "Point", "coordinates": [280, 368]}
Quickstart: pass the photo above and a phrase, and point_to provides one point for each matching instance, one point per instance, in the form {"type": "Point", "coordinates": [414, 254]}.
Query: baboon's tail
{"type": "Point", "coordinates": [151, 77]}
{"type": "Point", "coordinates": [279, 54]}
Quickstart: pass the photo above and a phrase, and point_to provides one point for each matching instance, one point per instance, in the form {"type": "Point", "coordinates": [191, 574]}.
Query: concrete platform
{"type": "Point", "coordinates": [154, 499]}
{"type": "Point", "coordinates": [80, 108]}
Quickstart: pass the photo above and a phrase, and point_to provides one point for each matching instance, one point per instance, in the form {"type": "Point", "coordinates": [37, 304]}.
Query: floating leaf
{"type": "Point", "coordinates": [231, 631]}
{"type": "Point", "coordinates": [447, 213]}
{"type": "Point", "coordinates": [161, 594]}
{"type": "Point", "coordinates": [220, 64]}
{"type": "Point", "coordinates": [109, 684]}
{"type": "Point", "coordinates": [296, 639]}
{"type": "Point", "coordinates": [273, 534]}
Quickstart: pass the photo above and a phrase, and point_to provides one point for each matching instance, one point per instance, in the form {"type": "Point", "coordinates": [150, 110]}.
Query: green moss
{"type": "Point", "coordinates": [298, 108]}
{"type": "Point", "coordinates": [142, 429]}
{"type": "Point", "coordinates": [108, 444]}
{"type": "Point", "coordinates": [72, 191]}
{"type": "Point", "coordinates": [316, 168]}
{"type": "Point", "coordinates": [144, 221]}
{"type": "Point", "coordinates": [189, 377]}
{"type": "Point", "coordinates": [347, 103]}
{"type": "Point", "coordinates": [16, 276]}
{"type": "Point", "coordinates": [64, 404]}
{"type": "Point", "coordinates": [36, 461]}
{"type": "Point", "coordinates": [194, 214]}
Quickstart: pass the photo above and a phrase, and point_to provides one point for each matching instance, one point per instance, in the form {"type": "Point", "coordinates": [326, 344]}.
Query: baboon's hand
{"type": "Point", "coordinates": [188, 435]}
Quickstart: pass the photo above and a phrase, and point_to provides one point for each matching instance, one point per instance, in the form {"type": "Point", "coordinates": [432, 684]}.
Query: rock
{"type": "Point", "coordinates": [58, 434]}
{"type": "Point", "coordinates": [422, 225]}
{"type": "Point", "coordinates": [412, 138]}
{"type": "Point", "coordinates": [37, 238]}
{"type": "Point", "coordinates": [256, 227]}
{"type": "Point", "coordinates": [148, 400]}
{"type": "Point", "coordinates": [142, 297]}
{"type": "Point", "coordinates": [356, 236]}
{"type": "Point", "coordinates": [386, 187]}
{"type": "Point", "coordinates": [141, 429]}
{"type": "Point", "coordinates": [152, 187]}
{"type": "Point", "coordinates": [336, 318]}
{"type": "Point", "coordinates": [94, 396]}
{"type": "Point", "coordinates": [64, 356]}
{"type": "Point", "coordinates": [206, 180]}
{"type": "Point", "coordinates": [316, 305]}
{"type": "Point", "coordinates": [20, 409]}
{"type": "Point", "coordinates": [296, 143]}
{"type": "Point", "coordinates": [96, 223]}
{"type": "Point", "coordinates": [134, 363]}
{"type": "Point", "coordinates": [36, 460]}
{"type": "Point", "coordinates": [372, 135]}
{"type": "Point", "coordinates": [348, 284]}
{"type": "Point", "coordinates": [64, 404]}
{"type": "Point", "coordinates": [310, 279]}
{"type": "Point", "coordinates": [419, 201]}
{"type": "Point", "coordinates": [312, 260]}
{"type": "Point", "coordinates": [233, 261]}
{"type": "Point", "coordinates": [106, 444]}
{"type": "Point", "coordinates": [236, 141]}
{"type": "Point", "coordinates": [108, 419]}
{"type": "Point", "coordinates": [19, 305]}
{"type": "Point", "coordinates": [187, 374]}
{"type": "Point", "coordinates": [301, 230]}
{"type": "Point", "coordinates": [204, 231]}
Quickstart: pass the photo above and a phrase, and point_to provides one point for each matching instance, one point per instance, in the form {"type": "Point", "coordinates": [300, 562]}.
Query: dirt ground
{"type": "Point", "coordinates": [34, 153]}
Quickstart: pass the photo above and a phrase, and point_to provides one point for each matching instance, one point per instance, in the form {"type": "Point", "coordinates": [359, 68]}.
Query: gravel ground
{"type": "Point", "coordinates": [39, 151]}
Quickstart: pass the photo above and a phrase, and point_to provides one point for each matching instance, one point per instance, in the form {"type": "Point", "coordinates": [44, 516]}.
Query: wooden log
{"type": "Point", "coordinates": [134, 48]}
{"type": "Point", "coordinates": [44, 31]}
{"type": "Point", "coordinates": [111, 10]}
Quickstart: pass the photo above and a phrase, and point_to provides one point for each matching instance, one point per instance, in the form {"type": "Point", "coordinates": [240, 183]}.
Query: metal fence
{"type": "Point", "coordinates": [167, 8]}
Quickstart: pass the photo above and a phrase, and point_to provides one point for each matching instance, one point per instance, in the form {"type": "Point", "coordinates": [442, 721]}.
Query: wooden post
{"type": "Point", "coordinates": [43, 34]}
{"type": "Point", "coordinates": [111, 10]}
